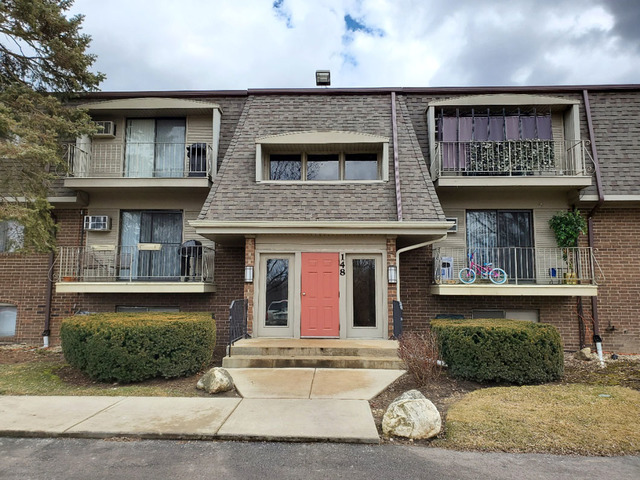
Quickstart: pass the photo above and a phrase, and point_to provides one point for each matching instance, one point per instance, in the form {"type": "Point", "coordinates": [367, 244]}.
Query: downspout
{"type": "Point", "coordinates": [46, 333]}
{"type": "Point", "coordinates": [396, 163]}
{"type": "Point", "coordinates": [590, 237]}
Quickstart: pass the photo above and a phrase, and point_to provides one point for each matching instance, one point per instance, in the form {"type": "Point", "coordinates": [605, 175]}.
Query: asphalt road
{"type": "Point", "coordinates": [68, 459]}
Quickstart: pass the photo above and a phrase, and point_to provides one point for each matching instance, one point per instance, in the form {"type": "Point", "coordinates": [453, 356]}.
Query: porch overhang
{"type": "Point", "coordinates": [134, 287]}
{"type": "Point", "coordinates": [413, 232]}
{"type": "Point", "coordinates": [151, 107]}
{"type": "Point", "coordinates": [516, 290]}
{"type": "Point", "coordinates": [94, 184]}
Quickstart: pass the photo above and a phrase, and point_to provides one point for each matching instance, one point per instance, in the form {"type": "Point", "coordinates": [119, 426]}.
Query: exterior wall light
{"type": "Point", "coordinates": [323, 78]}
{"type": "Point", "coordinates": [392, 274]}
{"type": "Point", "coordinates": [248, 274]}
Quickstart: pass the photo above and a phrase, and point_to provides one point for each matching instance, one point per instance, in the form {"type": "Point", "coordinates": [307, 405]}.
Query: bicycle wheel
{"type": "Point", "coordinates": [498, 276]}
{"type": "Point", "coordinates": [467, 275]}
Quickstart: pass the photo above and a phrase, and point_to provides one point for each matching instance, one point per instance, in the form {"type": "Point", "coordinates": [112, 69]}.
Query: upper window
{"type": "Point", "coordinates": [322, 157]}
{"type": "Point", "coordinates": [324, 166]}
{"type": "Point", "coordinates": [11, 236]}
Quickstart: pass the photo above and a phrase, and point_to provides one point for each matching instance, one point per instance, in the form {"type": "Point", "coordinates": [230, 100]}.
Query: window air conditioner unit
{"type": "Point", "coordinates": [454, 227]}
{"type": "Point", "coordinates": [97, 223]}
{"type": "Point", "coordinates": [105, 129]}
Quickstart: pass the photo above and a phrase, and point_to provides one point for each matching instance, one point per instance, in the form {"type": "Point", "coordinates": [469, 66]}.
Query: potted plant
{"type": "Point", "coordinates": [567, 227]}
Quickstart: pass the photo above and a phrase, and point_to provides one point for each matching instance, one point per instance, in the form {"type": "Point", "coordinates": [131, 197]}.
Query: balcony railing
{"type": "Point", "coordinates": [523, 265]}
{"type": "Point", "coordinates": [139, 160]}
{"type": "Point", "coordinates": [512, 158]}
{"type": "Point", "coordinates": [144, 262]}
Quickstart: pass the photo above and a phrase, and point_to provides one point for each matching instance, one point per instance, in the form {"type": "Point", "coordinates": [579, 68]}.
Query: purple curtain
{"type": "Point", "coordinates": [481, 129]}
{"type": "Point", "coordinates": [528, 127]}
{"type": "Point", "coordinates": [512, 127]}
{"type": "Point", "coordinates": [544, 127]}
{"type": "Point", "coordinates": [449, 137]}
{"type": "Point", "coordinates": [496, 129]}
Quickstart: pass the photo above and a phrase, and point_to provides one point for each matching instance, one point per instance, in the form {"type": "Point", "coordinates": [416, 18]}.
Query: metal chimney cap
{"type": "Point", "coordinates": [323, 78]}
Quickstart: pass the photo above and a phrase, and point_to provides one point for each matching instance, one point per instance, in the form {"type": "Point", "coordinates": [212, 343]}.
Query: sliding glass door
{"type": "Point", "coordinates": [155, 147]}
{"type": "Point", "coordinates": [503, 238]}
{"type": "Point", "coordinates": [150, 245]}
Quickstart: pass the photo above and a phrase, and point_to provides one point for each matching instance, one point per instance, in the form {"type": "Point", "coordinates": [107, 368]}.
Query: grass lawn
{"type": "Point", "coordinates": [44, 378]}
{"type": "Point", "coordinates": [563, 419]}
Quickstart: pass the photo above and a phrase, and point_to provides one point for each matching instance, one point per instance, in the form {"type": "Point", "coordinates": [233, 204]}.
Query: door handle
{"type": "Point", "coordinates": [303, 294]}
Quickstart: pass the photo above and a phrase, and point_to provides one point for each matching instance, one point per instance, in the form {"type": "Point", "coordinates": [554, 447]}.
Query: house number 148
{"type": "Point", "coordinates": [343, 272]}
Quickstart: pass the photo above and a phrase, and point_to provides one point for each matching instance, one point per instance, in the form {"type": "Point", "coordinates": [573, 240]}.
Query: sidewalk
{"type": "Point", "coordinates": [297, 404]}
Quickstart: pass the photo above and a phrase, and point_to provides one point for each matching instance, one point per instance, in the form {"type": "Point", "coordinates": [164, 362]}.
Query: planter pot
{"type": "Point", "coordinates": [570, 278]}
{"type": "Point", "coordinates": [69, 279]}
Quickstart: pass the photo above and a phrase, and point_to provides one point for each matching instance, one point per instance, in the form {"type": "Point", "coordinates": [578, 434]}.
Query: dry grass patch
{"type": "Point", "coordinates": [562, 419]}
{"type": "Point", "coordinates": [46, 378]}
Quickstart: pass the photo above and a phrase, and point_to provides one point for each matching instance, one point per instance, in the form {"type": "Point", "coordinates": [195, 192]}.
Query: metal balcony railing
{"type": "Point", "coordinates": [512, 158]}
{"type": "Point", "coordinates": [142, 262]}
{"type": "Point", "coordinates": [139, 160]}
{"type": "Point", "coordinates": [523, 265]}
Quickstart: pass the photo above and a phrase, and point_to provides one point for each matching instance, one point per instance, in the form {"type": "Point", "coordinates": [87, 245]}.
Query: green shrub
{"type": "Point", "coordinates": [500, 350]}
{"type": "Point", "coordinates": [129, 347]}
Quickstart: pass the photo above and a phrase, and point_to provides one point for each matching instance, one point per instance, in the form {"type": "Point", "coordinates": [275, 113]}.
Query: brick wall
{"type": "Point", "coordinates": [24, 278]}
{"type": "Point", "coordinates": [392, 289]}
{"type": "Point", "coordinates": [617, 237]}
{"type": "Point", "coordinates": [249, 260]}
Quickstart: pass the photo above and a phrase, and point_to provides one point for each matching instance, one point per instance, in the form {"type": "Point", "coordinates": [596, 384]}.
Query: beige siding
{"type": "Point", "coordinates": [112, 237]}
{"type": "Point", "coordinates": [189, 232]}
{"type": "Point", "coordinates": [105, 238]}
{"type": "Point", "coordinates": [199, 129]}
{"type": "Point", "coordinates": [557, 126]}
{"type": "Point", "coordinates": [544, 237]}
{"type": "Point", "coordinates": [458, 239]}
{"type": "Point", "coordinates": [557, 131]}
{"type": "Point", "coordinates": [543, 206]}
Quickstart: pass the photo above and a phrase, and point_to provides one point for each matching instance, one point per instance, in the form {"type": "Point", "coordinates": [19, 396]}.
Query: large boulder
{"type": "Point", "coordinates": [215, 380]}
{"type": "Point", "coordinates": [412, 415]}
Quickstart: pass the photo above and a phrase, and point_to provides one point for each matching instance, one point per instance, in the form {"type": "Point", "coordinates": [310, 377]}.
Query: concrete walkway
{"type": "Point", "coordinates": [278, 404]}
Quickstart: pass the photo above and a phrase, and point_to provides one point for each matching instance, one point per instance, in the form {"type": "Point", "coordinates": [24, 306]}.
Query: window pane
{"type": "Point", "coordinates": [285, 167]}
{"type": "Point", "coordinates": [8, 314]}
{"type": "Point", "coordinates": [11, 236]}
{"type": "Point", "coordinates": [361, 166]}
{"type": "Point", "coordinates": [323, 167]}
{"type": "Point", "coordinates": [170, 147]}
{"type": "Point", "coordinates": [277, 293]}
{"type": "Point", "coordinates": [364, 292]}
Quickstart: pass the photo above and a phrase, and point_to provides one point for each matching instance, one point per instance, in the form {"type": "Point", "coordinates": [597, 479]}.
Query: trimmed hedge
{"type": "Point", "coordinates": [130, 347]}
{"type": "Point", "coordinates": [500, 350]}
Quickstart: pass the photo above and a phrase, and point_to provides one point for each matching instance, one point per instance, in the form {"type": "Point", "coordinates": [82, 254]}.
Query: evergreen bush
{"type": "Point", "coordinates": [130, 347]}
{"type": "Point", "coordinates": [499, 350]}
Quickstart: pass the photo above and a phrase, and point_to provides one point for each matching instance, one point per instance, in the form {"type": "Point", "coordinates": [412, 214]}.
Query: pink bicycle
{"type": "Point", "coordinates": [469, 274]}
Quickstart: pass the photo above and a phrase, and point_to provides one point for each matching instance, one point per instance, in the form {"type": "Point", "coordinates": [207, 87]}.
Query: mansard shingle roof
{"type": "Point", "coordinates": [236, 196]}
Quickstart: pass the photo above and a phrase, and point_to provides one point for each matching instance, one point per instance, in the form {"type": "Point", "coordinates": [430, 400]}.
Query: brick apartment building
{"type": "Point", "coordinates": [323, 207]}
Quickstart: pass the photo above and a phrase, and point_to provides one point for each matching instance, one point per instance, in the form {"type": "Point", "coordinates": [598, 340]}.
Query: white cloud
{"type": "Point", "coordinates": [238, 44]}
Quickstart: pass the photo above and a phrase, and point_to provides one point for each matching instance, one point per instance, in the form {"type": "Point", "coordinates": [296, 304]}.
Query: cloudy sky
{"type": "Point", "coordinates": [239, 44]}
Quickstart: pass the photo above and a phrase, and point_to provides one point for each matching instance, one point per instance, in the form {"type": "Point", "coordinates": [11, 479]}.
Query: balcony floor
{"type": "Point", "coordinates": [517, 290]}
{"type": "Point", "coordinates": [135, 287]}
{"type": "Point", "coordinates": [90, 184]}
{"type": "Point", "coordinates": [514, 181]}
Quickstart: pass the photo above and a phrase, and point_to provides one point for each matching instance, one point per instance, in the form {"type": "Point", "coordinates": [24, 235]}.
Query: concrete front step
{"type": "Point", "coordinates": [311, 361]}
{"type": "Point", "coordinates": [313, 353]}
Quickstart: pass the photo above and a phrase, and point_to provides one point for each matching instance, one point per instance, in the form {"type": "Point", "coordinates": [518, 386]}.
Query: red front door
{"type": "Point", "coordinates": [320, 295]}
